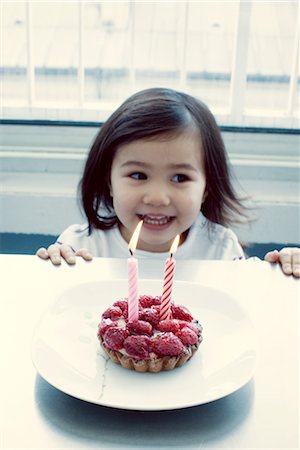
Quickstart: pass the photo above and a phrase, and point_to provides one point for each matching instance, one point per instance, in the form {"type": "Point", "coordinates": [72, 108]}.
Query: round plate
{"type": "Point", "coordinates": [67, 354]}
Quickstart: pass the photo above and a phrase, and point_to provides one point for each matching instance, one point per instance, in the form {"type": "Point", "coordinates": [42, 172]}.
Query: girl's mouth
{"type": "Point", "coordinates": [155, 219]}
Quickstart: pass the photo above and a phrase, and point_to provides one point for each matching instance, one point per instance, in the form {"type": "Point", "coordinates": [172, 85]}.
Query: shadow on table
{"type": "Point", "coordinates": [179, 428]}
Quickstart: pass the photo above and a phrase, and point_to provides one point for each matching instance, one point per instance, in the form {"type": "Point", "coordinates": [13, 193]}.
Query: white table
{"type": "Point", "coordinates": [264, 414]}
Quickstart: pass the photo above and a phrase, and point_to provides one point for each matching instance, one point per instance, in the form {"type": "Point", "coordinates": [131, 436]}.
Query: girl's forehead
{"type": "Point", "coordinates": [179, 147]}
{"type": "Point", "coordinates": [188, 137]}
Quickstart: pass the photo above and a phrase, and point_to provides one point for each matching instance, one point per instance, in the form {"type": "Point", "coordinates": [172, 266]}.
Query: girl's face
{"type": "Point", "coordinates": [161, 181]}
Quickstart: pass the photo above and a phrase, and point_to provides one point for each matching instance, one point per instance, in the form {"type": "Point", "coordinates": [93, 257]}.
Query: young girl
{"type": "Point", "coordinates": [160, 157]}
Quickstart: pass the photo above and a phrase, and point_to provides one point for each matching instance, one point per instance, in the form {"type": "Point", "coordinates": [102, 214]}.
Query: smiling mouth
{"type": "Point", "coordinates": [150, 219]}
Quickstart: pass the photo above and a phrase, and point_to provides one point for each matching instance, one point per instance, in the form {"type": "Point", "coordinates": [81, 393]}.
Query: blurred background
{"type": "Point", "coordinates": [65, 66]}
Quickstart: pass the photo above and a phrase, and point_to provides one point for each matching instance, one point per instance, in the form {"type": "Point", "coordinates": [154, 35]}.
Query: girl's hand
{"type": "Point", "coordinates": [57, 252]}
{"type": "Point", "coordinates": [288, 257]}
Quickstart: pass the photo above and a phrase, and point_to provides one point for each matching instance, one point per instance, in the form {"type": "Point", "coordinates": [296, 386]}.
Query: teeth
{"type": "Point", "coordinates": [156, 220]}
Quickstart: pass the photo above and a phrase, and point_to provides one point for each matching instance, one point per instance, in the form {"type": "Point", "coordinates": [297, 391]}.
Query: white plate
{"type": "Point", "coordinates": [66, 352]}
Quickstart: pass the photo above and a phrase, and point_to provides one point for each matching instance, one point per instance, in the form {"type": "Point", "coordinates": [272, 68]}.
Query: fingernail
{"type": "Point", "coordinates": [296, 271]}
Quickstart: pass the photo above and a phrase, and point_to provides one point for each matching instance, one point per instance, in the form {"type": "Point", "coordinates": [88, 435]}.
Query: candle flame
{"type": "Point", "coordinates": [135, 237]}
{"type": "Point", "coordinates": [174, 245]}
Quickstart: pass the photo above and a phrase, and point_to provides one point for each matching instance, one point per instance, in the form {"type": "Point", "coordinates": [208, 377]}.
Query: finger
{"type": "Point", "coordinates": [54, 254]}
{"type": "Point", "coordinates": [296, 262]}
{"type": "Point", "coordinates": [42, 253]}
{"type": "Point", "coordinates": [285, 258]}
{"type": "Point", "coordinates": [272, 256]}
{"type": "Point", "coordinates": [68, 254]}
{"type": "Point", "coordinates": [84, 253]}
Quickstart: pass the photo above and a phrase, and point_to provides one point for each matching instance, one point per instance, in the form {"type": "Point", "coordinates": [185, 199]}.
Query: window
{"type": "Point", "coordinates": [78, 60]}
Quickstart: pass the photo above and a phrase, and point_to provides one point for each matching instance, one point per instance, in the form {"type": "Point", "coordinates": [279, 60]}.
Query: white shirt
{"type": "Point", "coordinates": [205, 240]}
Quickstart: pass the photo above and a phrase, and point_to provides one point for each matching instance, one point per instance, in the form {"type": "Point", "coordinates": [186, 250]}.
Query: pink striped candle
{"type": "Point", "coordinates": [165, 308]}
{"type": "Point", "coordinates": [132, 265]}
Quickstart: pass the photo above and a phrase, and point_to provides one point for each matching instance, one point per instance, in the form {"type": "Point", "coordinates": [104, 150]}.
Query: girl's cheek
{"type": "Point", "coordinates": [124, 198]}
{"type": "Point", "coordinates": [192, 202]}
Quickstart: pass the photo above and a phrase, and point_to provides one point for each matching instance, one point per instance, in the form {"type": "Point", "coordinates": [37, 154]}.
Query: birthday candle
{"type": "Point", "coordinates": [132, 265]}
{"type": "Point", "coordinates": [170, 264]}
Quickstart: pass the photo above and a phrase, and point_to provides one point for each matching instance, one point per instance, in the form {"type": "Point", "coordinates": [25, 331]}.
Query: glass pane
{"type": "Point", "coordinates": [55, 50]}
{"type": "Point", "coordinates": [106, 50]}
{"type": "Point", "coordinates": [209, 51]}
{"type": "Point", "coordinates": [157, 38]}
{"type": "Point", "coordinates": [270, 55]}
{"type": "Point", "coordinates": [14, 53]}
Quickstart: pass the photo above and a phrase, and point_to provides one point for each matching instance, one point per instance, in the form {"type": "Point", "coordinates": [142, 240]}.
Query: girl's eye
{"type": "Point", "coordinates": [180, 178]}
{"type": "Point", "coordinates": [138, 176]}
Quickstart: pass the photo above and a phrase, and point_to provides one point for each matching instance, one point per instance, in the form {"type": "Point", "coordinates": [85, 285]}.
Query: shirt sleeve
{"type": "Point", "coordinates": [76, 236]}
{"type": "Point", "coordinates": [231, 249]}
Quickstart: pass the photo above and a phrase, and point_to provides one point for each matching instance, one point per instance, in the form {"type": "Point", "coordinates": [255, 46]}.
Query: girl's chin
{"type": "Point", "coordinates": [156, 243]}
{"type": "Point", "coordinates": [153, 237]}
{"type": "Point", "coordinates": [153, 247]}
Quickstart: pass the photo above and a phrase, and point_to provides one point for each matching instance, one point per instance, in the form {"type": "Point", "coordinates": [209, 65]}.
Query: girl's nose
{"type": "Point", "coordinates": [156, 196]}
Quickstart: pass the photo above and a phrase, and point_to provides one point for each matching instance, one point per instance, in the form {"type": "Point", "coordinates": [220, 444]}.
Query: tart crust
{"type": "Point", "coordinates": [151, 364]}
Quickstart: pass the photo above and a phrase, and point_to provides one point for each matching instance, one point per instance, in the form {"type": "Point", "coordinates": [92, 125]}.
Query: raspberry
{"type": "Point", "coordinates": [146, 301]}
{"type": "Point", "coordinates": [181, 312]}
{"type": "Point", "coordinates": [123, 304]}
{"type": "Point", "coordinates": [167, 344]}
{"type": "Point", "coordinates": [139, 327]}
{"type": "Point", "coordinates": [114, 338]}
{"type": "Point", "coordinates": [113, 313]}
{"type": "Point", "coordinates": [187, 336]}
{"type": "Point", "coordinates": [137, 347]}
{"type": "Point", "coordinates": [191, 325]}
{"type": "Point", "coordinates": [150, 315]}
{"type": "Point", "coordinates": [105, 325]}
{"type": "Point", "coordinates": [168, 325]}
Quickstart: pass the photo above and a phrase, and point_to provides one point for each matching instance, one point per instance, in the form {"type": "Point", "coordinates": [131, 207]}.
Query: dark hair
{"type": "Point", "coordinates": [148, 114]}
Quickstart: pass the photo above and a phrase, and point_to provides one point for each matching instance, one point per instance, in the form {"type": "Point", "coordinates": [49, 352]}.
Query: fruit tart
{"type": "Point", "coordinates": [149, 344]}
